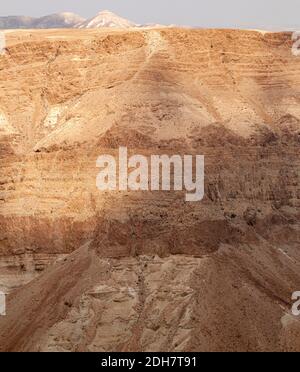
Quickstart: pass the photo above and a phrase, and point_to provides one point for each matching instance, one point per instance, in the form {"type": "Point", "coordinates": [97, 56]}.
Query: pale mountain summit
{"type": "Point", "coordinates": [107, 19]}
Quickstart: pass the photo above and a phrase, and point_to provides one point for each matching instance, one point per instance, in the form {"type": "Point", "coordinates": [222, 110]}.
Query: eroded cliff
{"type": "Point", "coordinates": [147, 270]}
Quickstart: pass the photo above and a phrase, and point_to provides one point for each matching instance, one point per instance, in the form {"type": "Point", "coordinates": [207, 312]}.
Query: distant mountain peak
{"type": "Point", "coordinates": [106, 18]}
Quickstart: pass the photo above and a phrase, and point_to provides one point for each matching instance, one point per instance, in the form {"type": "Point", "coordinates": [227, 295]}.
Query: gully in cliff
{"type": "Point", "coordinates": [133, 173]}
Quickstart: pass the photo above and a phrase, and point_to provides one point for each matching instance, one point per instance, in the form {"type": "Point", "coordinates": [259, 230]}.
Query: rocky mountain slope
{"type": "Point", "coordinates": [70, 20]}
{"type": "Point", "coordinates": [59, 20]}
{"type": "Point", "coordinates": [15, 22]}
{"type": "Point", "coordinates": [106, 19]}
{"type": "Point", "coordinates": [107, 271]}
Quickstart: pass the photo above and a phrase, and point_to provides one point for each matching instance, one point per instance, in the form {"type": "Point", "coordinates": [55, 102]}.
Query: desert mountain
{"type": "Point", "coordinates": [106, 19]}
{"type": "Point", "coordinates": [15, 22]}
{"type": "Point", "coordinates": [59, 20]}
{"type": "Point", "coordinates": [88, 270]}
{"type": "Point", "coordinates": [70, 20]}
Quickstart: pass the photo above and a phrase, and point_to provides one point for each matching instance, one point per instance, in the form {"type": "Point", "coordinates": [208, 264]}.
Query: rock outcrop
{"type": "Point", "coordinates": [109, 271]}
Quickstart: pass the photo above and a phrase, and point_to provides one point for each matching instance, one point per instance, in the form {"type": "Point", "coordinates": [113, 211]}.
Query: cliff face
{"type": "Point", "coordinates": [147, 270]}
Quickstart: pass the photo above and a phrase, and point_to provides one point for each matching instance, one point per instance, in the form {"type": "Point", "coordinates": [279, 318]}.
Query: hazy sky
{"type": "Point", "coordinates": [269, 14]}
